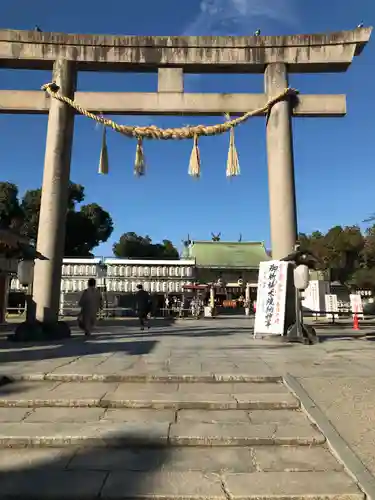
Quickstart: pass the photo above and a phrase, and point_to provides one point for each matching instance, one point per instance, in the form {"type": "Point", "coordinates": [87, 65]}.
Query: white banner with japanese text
{"type": "Point", "coordinates": [271, 298]}
{"type": "Point", "coordinates": [332, 305]}
{"type": "Point", "coordinates": [356, 305]}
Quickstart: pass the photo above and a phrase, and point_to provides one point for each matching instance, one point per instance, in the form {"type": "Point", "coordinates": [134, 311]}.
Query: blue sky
{"type": "Point", "coordinates": [334, 157]}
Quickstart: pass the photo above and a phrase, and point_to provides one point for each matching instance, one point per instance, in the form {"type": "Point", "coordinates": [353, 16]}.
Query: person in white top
{"type": "Point", "coordinates": [90, 303]}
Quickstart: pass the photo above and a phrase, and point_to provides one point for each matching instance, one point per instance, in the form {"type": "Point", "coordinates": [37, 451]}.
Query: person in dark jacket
{"type": "Point", "coordinates": [143, 306]}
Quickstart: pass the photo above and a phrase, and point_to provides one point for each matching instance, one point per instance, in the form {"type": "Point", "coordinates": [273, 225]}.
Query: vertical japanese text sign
{"type": "Point", "coordinates": [270, 311]}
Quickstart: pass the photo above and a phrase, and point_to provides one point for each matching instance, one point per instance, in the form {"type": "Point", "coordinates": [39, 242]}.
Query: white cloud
{"type": "Point", "coordinates": [241, 17]}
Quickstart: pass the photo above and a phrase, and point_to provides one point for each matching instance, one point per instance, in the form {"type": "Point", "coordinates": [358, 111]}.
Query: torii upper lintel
{"type": "Point", "coordinates": [196, 54]}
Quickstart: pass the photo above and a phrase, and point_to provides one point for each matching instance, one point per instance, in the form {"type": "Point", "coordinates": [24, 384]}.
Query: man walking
{"type": "Point", "coordinates": [90, 303]}
{"type": "Point", "coordinates": [143, 306]}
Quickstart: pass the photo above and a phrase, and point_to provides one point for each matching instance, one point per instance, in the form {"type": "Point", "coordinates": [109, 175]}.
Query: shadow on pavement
{"type": "Point", "coordinates": [199, 332]}
{"type": "Point", "coordinates": [129, 322]}
{"type": "Point", "coordinates": [102, 323]}
{"type": "Point", "coordinates": [8, 387]}
{"type": "Point", "coordinates": [347, 336]}
{"type": "Point", "coordinates": [341, 326]}
{"type": "Point", "coordinates": [134, 343]}
{"type": "Point", "coordinates": [260, 347]}
{"type": "Point", "coordinates": [198, 328]}
{"type": "Point", "coordinates": [121, 464]}
{"type": "Point", "coordinates": [124, 469]}
{"type": "Point", "coordinates": [23, 352]}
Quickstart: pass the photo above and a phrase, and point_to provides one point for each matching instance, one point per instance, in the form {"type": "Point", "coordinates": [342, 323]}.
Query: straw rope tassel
{"type": "Point", "coordinates": [140, 160]}
{"type": "Point", "coordinates": [233, 165]}
{"type": "Point", "coordinates": [195, 160]}
{"type": "Point", "coordinates": [103, 161]}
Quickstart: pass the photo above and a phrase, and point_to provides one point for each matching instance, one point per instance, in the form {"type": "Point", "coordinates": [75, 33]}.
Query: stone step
{"type": "Point", "coordinates": [203, 459]}
{"type": "Point", "coordinates": [169, 454]}
{"type": "Point", "coordinates": [176, 485]}
{"type": "Point", "coordinates": [59, 426]}
{"type": "Point", "coordinates": [142, 434]}
{"type": "Point", "coordinates": [154, 395]}
{"type": "Point", "coordinates": [57, 376]}
{"type": "Point", "coordinates": [167, 440]}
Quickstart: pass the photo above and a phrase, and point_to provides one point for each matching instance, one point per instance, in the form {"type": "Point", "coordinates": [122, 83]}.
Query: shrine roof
{"type": "Point", "coordinates": [14, 245]}
{"type": "Point", "coordinates": [228, 255]}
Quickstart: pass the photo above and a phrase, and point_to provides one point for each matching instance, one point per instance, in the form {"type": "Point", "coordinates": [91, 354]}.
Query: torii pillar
{"type": "Point", "coordinates": [281, 186]}
{"type": "Point", "coordinates": [54, 201]}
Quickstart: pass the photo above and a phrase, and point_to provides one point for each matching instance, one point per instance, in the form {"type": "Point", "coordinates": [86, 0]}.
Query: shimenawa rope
{"type": "Point", "coordinates": [187, 132]}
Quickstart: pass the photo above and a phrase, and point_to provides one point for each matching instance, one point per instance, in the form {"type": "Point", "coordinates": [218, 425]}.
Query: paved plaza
{"type": "Point", "coordinates": [194, 409]}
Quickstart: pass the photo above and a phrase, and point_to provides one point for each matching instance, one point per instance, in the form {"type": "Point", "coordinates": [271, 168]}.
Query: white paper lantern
{"type": "Point", "coordinates": [25, 272]}
{"type": "Point", "coordinates": [301, 277]}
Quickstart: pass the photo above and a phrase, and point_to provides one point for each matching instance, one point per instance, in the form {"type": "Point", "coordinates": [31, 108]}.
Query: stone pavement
{"type": "Point", "coordinates": [193, 410]}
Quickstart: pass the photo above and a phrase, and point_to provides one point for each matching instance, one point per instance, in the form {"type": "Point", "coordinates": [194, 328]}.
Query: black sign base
{"type": "Point", "coordinates": [306, 335]}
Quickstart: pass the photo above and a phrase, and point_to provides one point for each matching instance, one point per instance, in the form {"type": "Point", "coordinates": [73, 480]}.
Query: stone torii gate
{"type": "Point", "coordinates": [170, 57]}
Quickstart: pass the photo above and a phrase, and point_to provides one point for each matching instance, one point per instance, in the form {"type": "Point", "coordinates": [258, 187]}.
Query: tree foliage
{"type": "Point", "coordinates": [133, 246]}
{"type": "Point", "coordinates": [86, 228]}
{"type": "Point", "coordinates": [346, 252]}
{"type": "Point", "coordinates": [11, 215]}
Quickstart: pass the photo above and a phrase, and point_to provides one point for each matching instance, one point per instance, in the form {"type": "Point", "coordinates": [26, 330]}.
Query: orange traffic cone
{"type": "Point", "coordinates": [355, 321]}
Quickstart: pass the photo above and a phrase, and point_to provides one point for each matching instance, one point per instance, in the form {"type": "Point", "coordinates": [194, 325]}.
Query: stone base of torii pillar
{"type": "Point", "coordinates": [33, 330]}
{"type": "Point", "coordinates": [38, 331]}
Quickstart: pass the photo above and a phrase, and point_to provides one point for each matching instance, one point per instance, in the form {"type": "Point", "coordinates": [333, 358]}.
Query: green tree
{"type": "Point", "coordinates": [11, 215]}
{"type": "Point", "coordinates": [340, 250]}
{"type": "Point", "coordinates": [133, 246]}
{"type": "Point", "coordinates": [314, 243]}
{"type": "Point", "coordinates": [86, 228]}
{"type": "Point", "coordinates": [344, 251]}
{"type": "Point", "coordinates": [170, 251]}
{"type": "Point", "coordinates": [368, 252]}
{"type": "Point", "coordinates": [364, 278]}
{"type": "Point", "coordinates": [30, 206]}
